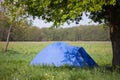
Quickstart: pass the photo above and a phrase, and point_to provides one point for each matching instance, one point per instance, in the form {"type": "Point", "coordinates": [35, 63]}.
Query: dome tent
{"type": "Point", "coordinates": [60, 53]}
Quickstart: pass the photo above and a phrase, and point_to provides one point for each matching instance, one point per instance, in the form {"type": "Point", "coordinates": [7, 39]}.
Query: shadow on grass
{"type": "Point", "coordinates": [104, 68]}
{"type": "Point", "coordinates": [110, 68]}
{"type": "Point", "coordinates": [11, 52]}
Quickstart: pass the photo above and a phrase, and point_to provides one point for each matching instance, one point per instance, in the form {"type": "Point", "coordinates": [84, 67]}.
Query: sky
{"type": "Point", "coordinates": [40, 23]}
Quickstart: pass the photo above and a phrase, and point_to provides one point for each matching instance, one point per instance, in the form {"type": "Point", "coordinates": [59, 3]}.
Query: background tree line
{"type": "Point", "coordinates": [32, 33]}
{"type": "Point", "coordinates": [27, 32]}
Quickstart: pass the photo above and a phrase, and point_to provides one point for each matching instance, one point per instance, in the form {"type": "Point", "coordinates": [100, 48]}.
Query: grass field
{"type": "Point", "coordinates": [15, 64]}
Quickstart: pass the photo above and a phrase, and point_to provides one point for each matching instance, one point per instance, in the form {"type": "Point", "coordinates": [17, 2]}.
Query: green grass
{"type": "Point", "coordinates": [15, 64]}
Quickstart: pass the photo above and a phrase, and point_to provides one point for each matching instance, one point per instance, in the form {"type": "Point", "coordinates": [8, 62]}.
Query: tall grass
{"type": "Point", "coordinates": [15, 64]}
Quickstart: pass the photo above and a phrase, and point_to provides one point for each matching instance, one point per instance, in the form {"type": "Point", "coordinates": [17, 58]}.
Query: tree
{"type": "Point", "coordinates": [15, 13]}
{"type": "Point", "coordinates": [60, 11]}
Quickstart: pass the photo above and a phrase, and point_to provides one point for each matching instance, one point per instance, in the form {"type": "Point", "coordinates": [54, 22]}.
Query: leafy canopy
{"type": "Point", "coordinates": [60, 11]}
{"type": "Point", "coordinates": [57, 11]}
{"type": "Point", "coordinates": [14, 10]}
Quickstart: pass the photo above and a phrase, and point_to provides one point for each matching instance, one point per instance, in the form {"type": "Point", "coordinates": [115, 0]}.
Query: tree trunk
{"type": "Point", "coordinates": [8, 38]}
{"type": "Point", "coordinates": [115, 39]}
{"type": "Point", "coordinates": [115, 34]}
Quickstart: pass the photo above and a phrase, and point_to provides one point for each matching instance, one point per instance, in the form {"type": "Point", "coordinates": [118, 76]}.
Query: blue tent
{"type": "Point", "coordinates": [60, 53]}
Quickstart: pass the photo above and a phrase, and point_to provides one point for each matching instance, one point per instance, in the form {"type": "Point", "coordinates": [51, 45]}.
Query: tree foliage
{"type": "Point", "coordinates": [60, 11]}
{"type": "Point", "coordinates": [13, 10]}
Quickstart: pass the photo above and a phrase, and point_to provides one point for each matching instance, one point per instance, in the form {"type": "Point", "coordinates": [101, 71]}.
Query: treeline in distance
{"type": "Point", "coordinates": [32, 33]}
{"type": "Point", "coordinates": [80, 33]}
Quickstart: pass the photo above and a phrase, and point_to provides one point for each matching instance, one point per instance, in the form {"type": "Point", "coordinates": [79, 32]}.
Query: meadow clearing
{"type": "Point", "coordinates": [15, 64]}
